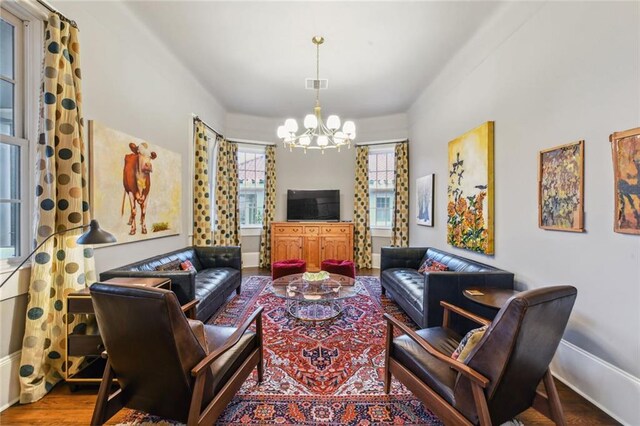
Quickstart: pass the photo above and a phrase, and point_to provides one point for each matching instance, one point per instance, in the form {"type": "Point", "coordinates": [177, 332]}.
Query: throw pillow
{"type": "Point", "coordinates": [169, 266]}
{"type": "Point", "coordinates": [430, 265]}
{"type": "Point", "coordinates": [468, 342]}
{"type": "Point", "coordinates": [187, 266]}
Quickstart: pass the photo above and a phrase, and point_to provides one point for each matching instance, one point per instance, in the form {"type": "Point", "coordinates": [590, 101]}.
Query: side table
{"type": "Point", "coordinates": [489, 296]}
{"type": "Point", "coordinates": [82, 342]}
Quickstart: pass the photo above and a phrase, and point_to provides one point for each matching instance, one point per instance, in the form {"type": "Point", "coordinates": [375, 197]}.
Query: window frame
{"type": "Point", "coordinates": [30, 18]}
{"type": "Point", "coordinates": [252, 229]}
{"type": "Point", "coordinates": [379, 230]}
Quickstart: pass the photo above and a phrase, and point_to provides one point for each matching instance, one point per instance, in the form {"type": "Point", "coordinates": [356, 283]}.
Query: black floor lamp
{"type": "Point", "coordinates": [94, 235]}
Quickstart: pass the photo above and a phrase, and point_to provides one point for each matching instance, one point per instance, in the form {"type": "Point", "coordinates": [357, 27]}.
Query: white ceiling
{"type": "Point", "coordinates": [255, 56]}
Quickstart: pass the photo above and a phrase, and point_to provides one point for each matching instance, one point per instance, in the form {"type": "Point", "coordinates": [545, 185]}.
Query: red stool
{"type": "Point", "coordinates": [288, 267]}
{"type": "Point", "coordinates": [340, 267]}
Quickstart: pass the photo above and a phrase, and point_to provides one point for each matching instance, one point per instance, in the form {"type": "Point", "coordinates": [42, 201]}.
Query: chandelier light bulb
{"type": "Point", "coordinates": [349, 129]}
{"type": "Point", "coordinates": [291, 125]}
{"type": "Point", "coordinates": [282, 132]}
{"type": "Point", "coordinates": [339, 138]}
{"type": "Point", "coordinates": [333, 122]}
{"type": "Point", "coordinates": [323, 141]}
{"type": "Point", "coordinates": [310, 122]}
{"type": "Point", "coordinates": [305, 141]}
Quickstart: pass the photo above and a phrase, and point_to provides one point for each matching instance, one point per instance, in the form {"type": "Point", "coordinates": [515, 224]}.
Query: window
{"type": "Point", "coordinates": [14, 147]}
{"type": "Point", "coordinates": [251, 177]}
{"type": "Point", "coordinates": [381, 187]}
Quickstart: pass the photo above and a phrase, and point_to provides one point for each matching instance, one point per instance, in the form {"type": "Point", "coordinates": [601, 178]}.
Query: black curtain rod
{"type": "Point", "coordinates": [196, 118]}
{"type": "Point", "coordinates": [251, 143]}
{"type": "Point", "coordinates": [389, 142]}
{"type": "Point", "coordinates": [57, 12]}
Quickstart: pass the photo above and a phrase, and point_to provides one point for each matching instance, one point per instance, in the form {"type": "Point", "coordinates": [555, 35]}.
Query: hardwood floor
{"type": "Point", "coordinates": [63, 407]}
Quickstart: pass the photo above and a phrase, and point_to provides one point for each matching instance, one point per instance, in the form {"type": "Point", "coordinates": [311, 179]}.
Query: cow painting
{"type": "Point", "coordinates": [136, 178]}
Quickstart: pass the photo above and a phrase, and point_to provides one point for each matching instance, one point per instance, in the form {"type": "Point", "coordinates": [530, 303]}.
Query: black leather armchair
{"type": "Point", "coordinates": [500, 377]}
{"type": "Point", "coordinates": [419, 294]}
{"type": "Point", "coordinates": [165, 364]}
{"type": "Point", "coordinates": [218, 273]}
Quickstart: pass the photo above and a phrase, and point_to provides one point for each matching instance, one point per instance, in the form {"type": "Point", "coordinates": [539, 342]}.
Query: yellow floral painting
{"type": "Point", "coordinates": [470, 190]}
{"type": "Point", "coordinates": [136, 186]}
{"type": "Point", "coordinates": [561, 188]}
{"type": "Point", "coordinates": [625, 147]}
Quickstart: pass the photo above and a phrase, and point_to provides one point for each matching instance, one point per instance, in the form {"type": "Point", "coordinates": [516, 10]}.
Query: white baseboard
{"type": "Point", "coordinates": [9, 381]}
{"type": "Point", "coordinates": [250, 260]}
{"type": "Point", "coordinates": [375, 260]}
{"type": "Point", "coordinates": [609, 388]}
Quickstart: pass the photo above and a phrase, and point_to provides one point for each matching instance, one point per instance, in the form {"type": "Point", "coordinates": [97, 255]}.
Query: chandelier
{"type": "Point", "coordinates": [317, 134]}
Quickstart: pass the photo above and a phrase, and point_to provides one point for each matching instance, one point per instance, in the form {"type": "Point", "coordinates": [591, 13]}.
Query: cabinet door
{"type": "Point", "coordinates": [334, 248]}
{"type": "Point", "coordinates": [287, 248]}
{"type": "Point", "coordinates": [312, 253]}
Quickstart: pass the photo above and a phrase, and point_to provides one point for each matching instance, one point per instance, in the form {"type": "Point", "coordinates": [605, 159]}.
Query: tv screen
{"type": "Point", "coordinates": [322, 205]}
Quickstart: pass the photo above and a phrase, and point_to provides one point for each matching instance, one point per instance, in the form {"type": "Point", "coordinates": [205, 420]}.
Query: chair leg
{"type": "Point", "coordinates": [261, 348]}
{"type": "Point", "coordinates": [239, 289]}
{"type": "Point", "coordinates": [481, 405]}
{"type": "Point", "coordinates": [100, 411]}
{"type": "Point", "coordinates": [387, 370]}
{"type": "Point", "coordinates": [554, 400]}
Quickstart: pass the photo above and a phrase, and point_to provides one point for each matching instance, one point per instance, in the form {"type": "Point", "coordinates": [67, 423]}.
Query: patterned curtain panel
{"type": "Point", "coordinates": [201, 197]}
{"type": "Point", "coordinates": [227, 229]}
{"type": "Point", "coordinates": [362, 230]}
{"type": "Point", "coordinates": [269, 206]}
{"type": "Point", "coordinates": [62, 201]}
{"type": "Point", "coordinates": [400, 224]}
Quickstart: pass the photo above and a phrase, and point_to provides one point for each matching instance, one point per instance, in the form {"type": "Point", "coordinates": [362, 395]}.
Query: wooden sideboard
{"type": "Point", "coordinates": [311, 241]}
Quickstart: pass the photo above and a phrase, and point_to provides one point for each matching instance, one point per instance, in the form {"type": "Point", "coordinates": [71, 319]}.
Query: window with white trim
{"type": "Point", "coordinates": [251, 178]}
{"type": "Point", "coordinates": [14, 146]}
{"type": "Point", "coordinates": [381, 187]}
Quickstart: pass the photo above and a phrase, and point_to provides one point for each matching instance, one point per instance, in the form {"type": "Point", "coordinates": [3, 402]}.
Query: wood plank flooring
{"type": "Point", "coordinates": [63, 407]}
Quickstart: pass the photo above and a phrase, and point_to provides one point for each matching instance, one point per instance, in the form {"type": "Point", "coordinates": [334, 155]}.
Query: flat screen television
{"type": "Point", "coordinates": [310, 205]}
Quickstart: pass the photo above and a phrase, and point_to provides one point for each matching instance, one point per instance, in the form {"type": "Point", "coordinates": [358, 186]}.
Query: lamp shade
{"type": "Point", "coordinates": [96, 235]}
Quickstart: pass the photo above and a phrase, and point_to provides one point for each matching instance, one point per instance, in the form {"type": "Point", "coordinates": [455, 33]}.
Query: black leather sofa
{"type": "Point", "coordinates": [419, 294]}
{"type": "Point", "coordinates": [217, 275]}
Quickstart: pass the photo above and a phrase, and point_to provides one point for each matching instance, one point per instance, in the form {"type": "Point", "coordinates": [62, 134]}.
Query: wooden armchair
{"type": "Point", "coordinates": [165, 364]}
{"type": "Point", "coordinates": [499, 378]}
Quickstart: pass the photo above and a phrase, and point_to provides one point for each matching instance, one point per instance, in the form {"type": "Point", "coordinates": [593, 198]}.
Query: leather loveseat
{"type": "Point", "coordinates": [217, 274]}
{"type": "Point", "coordinates": [419, 294]}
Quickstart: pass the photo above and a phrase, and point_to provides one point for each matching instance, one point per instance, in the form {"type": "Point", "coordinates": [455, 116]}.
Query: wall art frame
{"type": "Point", "coordinates": [425, 200]}
{"type": "Point", "coordinates": [625, 153]}
{"type": "Point", "coordinates": [561, 188]}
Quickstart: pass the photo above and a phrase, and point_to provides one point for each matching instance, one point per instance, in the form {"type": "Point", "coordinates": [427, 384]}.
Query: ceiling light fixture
{"type": "Point", "coordinates": [323, 136]}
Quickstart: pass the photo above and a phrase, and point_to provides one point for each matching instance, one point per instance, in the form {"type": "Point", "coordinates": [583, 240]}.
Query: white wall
{"type": "Point", "coordinates": [131, 83]}
{"type": "Point", "coordinates": [549, 74]}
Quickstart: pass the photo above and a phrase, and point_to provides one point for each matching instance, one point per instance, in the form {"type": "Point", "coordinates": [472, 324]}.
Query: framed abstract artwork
{"type": "Point", "coordinates": [625, 149]}
{"type": "Point", "coordinates": [135, 186]}
{"type": "Point", "coordinates": [470, 190]}
{"type": "Point", "coordinates": [424, 200]}
{"type": "Point", "coordinates": [561, 188]}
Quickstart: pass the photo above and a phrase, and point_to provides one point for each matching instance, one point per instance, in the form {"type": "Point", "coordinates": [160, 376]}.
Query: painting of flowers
{"type": "Point", "coordinates": [625, 148]}
{"type": "Point", "coordinates": [561, 188]}
{"type": "Point", "coordinates": [470, 190]}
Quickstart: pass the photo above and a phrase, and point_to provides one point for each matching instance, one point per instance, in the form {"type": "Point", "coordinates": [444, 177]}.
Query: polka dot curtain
{"type": "Point", "coordinates": [269, 206]}
{"type": "Point", "coordinates": [60, 266]}
{"type": "Point", "coordinates": [362, 230]}
{"type": "Point", "coordinates": [400, 223]}
{"type": "Point", "coordinates": [201, 197]}
{"type": "Point", "coordinates": [227, 229]}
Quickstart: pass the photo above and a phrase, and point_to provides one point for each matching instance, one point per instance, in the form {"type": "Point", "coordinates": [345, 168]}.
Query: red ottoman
{"type": "Point", "coordinates": [288, 267]}
{"type": "Point", "coordinates": [340, 267]}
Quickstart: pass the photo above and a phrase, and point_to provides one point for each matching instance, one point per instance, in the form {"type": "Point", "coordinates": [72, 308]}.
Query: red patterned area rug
{"type": "Point", "coordinates": [327, 373]}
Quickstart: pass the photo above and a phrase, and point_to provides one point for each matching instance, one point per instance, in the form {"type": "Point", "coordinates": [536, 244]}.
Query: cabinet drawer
{"type": "Point", "coordinates": [335, 230]}
{"type": "Point", "coordinates": [80, 345]}
{"type": "Point", "coordinates": [311, 230]}
{"type": "Point", "coordinates": [77, 305]}
{"type": "Point", "coordinates": [287, 230]}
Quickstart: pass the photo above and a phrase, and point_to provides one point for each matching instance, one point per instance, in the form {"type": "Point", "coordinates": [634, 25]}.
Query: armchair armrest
{"type": "Point", "coordinates": [231, 341]}
{"type": "Point", "coordinates": [463, 369]}
{"type": "Point", "coordinates": [189, 309]}
{"type": "Point", "coordinates": [448, 307]}
{"type": "Point", "coordinates": [220, 257]}
{"type": "Point", "coordinates": [401, 257]}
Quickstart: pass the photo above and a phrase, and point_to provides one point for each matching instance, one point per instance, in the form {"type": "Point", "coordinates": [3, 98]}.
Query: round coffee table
{"type": "Point", "coordinates": [314, 300]}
